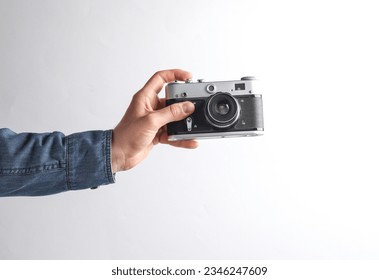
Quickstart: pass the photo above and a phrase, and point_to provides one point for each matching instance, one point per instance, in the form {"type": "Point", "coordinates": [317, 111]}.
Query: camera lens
{"type": "Point", "coordinates": [222, 110]}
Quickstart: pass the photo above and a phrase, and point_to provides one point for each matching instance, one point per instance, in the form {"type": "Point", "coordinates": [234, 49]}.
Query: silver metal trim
{"type": "Point", "coordinates": [195, 90]}
{"type": "Point", "coordinates": [200, 136]}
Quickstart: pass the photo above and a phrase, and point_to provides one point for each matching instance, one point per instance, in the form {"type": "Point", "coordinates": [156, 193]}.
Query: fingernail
{"type": "Point", "coordinates": [188, 107]}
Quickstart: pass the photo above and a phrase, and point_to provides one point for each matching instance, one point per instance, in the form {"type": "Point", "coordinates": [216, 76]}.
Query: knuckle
{"type": "Point", "coordinates": [175, 110]}
{"type": "Point", "coordinates": [137, 96]}
{"type": "Point", "coordinates": [158, 74]}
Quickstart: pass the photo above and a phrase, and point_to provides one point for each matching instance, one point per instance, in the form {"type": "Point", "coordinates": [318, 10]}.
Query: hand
{"type": "Point", "coordinates": [144, 123]}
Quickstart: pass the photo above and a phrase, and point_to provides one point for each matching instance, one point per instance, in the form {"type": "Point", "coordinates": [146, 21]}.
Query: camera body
{"type": "Point", "coordinates": [222, 109]}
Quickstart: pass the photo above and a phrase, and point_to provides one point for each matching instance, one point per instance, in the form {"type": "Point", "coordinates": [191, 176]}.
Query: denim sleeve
{"type": "Point", "coordinates": [35, 164]}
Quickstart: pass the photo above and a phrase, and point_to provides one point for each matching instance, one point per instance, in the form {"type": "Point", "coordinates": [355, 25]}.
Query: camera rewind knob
{"type": "Point", "coordinates": [247, 78]}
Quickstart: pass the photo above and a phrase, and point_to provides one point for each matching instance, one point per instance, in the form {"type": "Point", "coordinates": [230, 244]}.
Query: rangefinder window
{"type": "Point", "coordinates": [240, 86]}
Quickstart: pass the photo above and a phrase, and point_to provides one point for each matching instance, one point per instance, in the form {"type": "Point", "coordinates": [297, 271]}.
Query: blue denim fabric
{"type": "Point", "coordinates": [33, 164]}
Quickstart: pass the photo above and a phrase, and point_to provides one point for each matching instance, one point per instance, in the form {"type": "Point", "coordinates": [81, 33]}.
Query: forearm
{"type": "Point", "coordinates": [34, 164]}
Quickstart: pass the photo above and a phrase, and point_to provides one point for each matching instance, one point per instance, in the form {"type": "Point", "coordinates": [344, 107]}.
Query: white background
{"type": "Point", "coordinates": [307, 189]}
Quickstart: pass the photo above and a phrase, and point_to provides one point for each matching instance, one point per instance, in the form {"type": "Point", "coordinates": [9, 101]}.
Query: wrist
{"type": "Point", "coordinates": [114, 163]}
{"type": "Point", "coordinates": [118, 156]}
{"type": "Point", "coordinates": [115, 158]}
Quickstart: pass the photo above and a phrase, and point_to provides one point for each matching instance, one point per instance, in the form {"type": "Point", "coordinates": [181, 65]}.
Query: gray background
{"type": "Point", "coordinates": [307, 189]}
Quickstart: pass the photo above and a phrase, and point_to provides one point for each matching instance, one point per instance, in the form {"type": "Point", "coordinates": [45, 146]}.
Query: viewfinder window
{"type": "Point", "coordinates": [240, 86]}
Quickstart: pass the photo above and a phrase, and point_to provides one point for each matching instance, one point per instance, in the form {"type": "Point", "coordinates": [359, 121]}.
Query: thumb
{"type": "Point", "coordinates": [174, 112]}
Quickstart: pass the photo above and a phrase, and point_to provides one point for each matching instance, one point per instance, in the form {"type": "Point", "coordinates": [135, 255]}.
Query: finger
{"type": "Point", "coordinates": [157, 81]}
{"type": "Point", "coordinates": [162, 103]}
{"type": "Point", "coordinates": [174, 112]}
{"type": "Point", "coordinates": [157, 137]}
{"type": "Point", "coordinates": [187, 144]}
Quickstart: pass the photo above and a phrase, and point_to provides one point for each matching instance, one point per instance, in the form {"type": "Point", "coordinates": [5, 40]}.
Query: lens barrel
{"type": "Point", "coordinates": [222, 110]}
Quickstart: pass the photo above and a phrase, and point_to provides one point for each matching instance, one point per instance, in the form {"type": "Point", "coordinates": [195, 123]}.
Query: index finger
{"type": "Point", "coordinates": [157, 81]}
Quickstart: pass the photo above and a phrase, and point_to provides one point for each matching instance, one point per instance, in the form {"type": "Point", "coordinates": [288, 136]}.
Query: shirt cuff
{"type": "Point", "coordinates": [89, 159]}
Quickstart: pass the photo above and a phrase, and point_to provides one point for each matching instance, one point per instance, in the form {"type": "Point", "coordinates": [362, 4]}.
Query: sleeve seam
{"type": "Point", "coordinates": [108, 154]}
{"type": "Point", "coordinates": [33, 169]}
{"type": "Point", "coordinates": [68, 166]}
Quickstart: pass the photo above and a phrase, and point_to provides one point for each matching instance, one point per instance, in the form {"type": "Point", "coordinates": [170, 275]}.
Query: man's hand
{"type": "Point", "coordinates": [144, 123]}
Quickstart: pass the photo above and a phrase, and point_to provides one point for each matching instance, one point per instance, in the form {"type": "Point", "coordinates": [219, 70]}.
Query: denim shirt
{"type": "Point", "coordinates": [34, 164]}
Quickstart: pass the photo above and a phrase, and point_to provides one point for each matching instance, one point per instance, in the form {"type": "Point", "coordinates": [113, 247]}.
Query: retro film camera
{"type": "Point", "coordinates": [222, 109]}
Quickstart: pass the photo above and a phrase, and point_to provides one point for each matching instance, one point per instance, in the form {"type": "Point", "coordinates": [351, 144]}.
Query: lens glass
{"type": "Point", "coordinates": [222, 110]}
